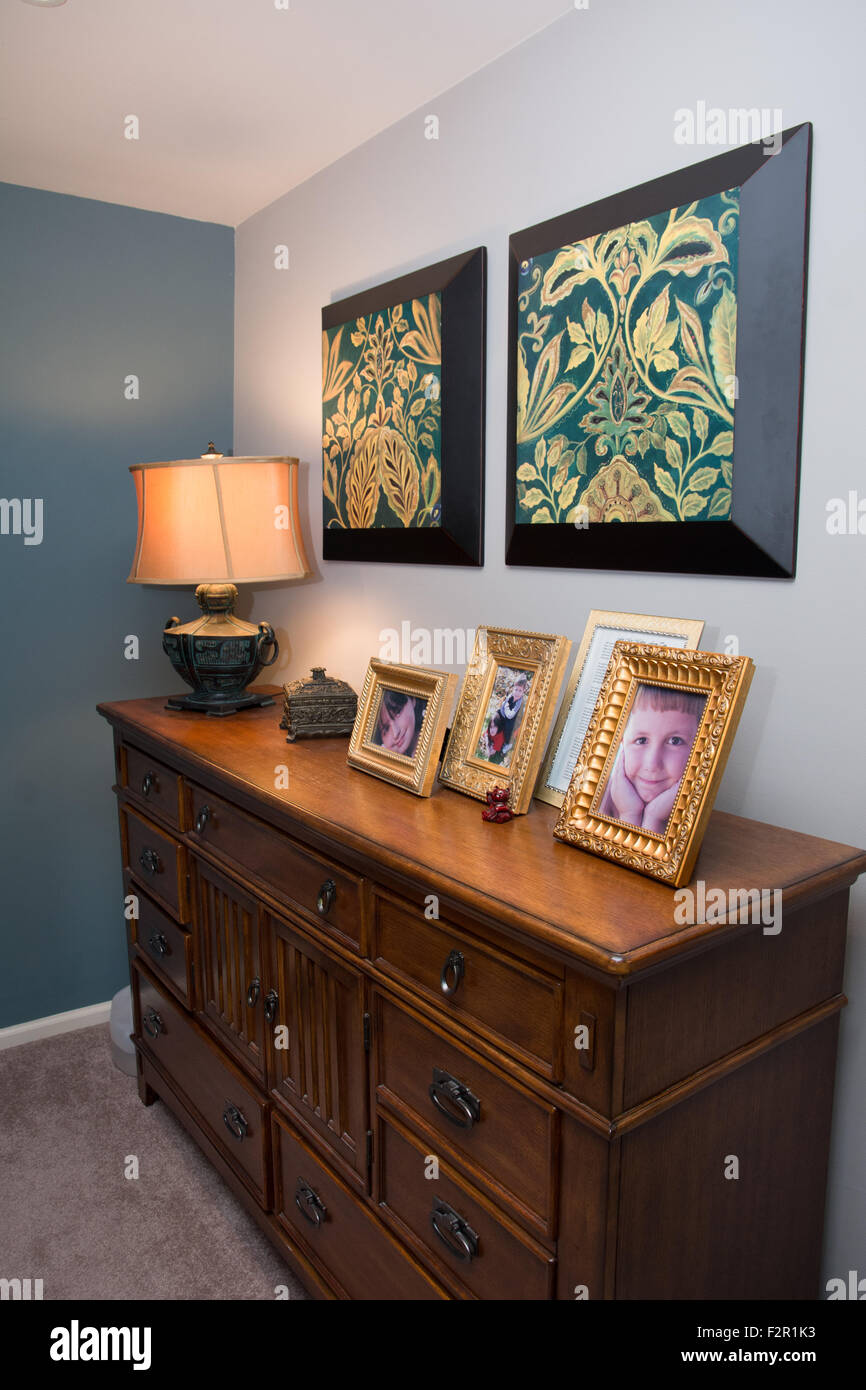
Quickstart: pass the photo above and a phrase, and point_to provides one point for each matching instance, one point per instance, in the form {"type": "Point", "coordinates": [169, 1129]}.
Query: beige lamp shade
{"type": "Point", "coordinates": [215, 520]}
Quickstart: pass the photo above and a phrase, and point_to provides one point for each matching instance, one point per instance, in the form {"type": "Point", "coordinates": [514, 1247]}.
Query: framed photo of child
{"type": "Point", "coordinates": [602, 630]}
{"type": "Point", "coordinates": [504, 714]}
{"type": "Point", "coordinates": [653, 757]}
{"type": "Point", "coordinates": [400, 725]}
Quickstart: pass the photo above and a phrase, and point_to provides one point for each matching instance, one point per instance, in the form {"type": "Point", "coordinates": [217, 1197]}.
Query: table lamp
{"type": "Point", "coordinates": [217, 522]}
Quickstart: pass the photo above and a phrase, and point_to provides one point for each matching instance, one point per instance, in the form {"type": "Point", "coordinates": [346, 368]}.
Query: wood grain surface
{"type": "Point", "coordinates": [558, 897]}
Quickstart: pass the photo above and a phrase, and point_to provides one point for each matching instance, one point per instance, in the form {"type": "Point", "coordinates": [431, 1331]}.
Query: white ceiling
{"type": "Point", "coordinates": [237, 100]}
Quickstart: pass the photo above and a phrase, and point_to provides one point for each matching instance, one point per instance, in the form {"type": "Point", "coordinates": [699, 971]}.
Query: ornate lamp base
{"type": "Point", "coordinates": [219, 655]}
{"type": "Point", "coordinates": [191, 702]}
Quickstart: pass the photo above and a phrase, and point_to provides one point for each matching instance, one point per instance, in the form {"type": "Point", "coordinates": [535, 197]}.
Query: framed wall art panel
{"type": "Point", "coordinates": [656, 344]}
{"type": "Point", "coordinates": [403, 385]}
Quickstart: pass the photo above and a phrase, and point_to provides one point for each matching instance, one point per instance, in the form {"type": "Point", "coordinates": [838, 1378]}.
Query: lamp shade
{"type": "Point", "coordinates": [215, 520]}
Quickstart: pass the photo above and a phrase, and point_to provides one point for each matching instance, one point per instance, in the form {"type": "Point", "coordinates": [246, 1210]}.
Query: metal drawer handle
{"type": "Point", "coordinates": [149, 782]}
{"type": "Point", "coordinates": [452, 972]}
{"type": "Point", "coordinates": [454, 1100]}
{"type": "Point", "coordinates": [235, 1121]}
{"type": "Point", "coordinates": [327, 897]}
{"type": "Point", "coordinates": [150, 861]}
{"type": "Point", "coordinates": [253, 993]}
{"type": "Point", "coordinates": [454, 1232]}
{"type": "Point", "coordinates": [310, 1204]}
{"type": "Point", "coordinates": [152, 1023]}
{"type": "Point", "coordinates": [272, 1000]}
{"type": "Point", "coordinates": [202, 819]}
{"type": "Point", "coordinates": [158, 944]}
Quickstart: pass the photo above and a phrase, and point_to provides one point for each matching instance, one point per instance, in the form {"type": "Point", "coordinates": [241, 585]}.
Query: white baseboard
{"type": "Point", "coordinates": [56, 1023]}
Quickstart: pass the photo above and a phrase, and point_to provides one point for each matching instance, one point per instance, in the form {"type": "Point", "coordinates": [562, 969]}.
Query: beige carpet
{"type": "Point", "coordinates": [68, 1216]}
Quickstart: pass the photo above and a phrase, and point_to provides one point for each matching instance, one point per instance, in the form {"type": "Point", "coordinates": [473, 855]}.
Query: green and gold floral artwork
{"type": "Point", "coordinates": [381, 416]}
{"type": "Point", "coordinates": [626, 371]}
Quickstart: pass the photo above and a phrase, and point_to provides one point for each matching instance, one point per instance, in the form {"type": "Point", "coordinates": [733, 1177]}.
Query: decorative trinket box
{"type": "Point", "coordinates": [323, 707]}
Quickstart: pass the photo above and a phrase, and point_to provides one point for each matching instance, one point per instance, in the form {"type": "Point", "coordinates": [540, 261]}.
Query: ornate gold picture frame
{"type": "Point", "coordinates": [603, 629]}
{"type": "Point", "coordinates": [653, 757]}
{"type": "Point", "coordinates": [504, 713]}
{"type": "Point", "coordinates": [400, 724]}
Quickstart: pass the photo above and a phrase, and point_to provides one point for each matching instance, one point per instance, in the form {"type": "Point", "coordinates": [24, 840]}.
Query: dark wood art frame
{"type": "Point", "coordinates": [760, 539]}
{"type": "Point", "coordinates": [459, 538]}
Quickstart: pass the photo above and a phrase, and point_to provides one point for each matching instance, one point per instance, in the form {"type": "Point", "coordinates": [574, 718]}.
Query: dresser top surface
{"type": "Point", "coordinates": [552, 894]}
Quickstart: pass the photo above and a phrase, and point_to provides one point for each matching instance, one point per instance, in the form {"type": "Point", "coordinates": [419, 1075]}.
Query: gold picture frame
{"type": "Point", "coordinates": [598, 813]}
{"type": "Point", "coordinates": [400, 724]}
{"type": "Point", "coordinates": [504, 713]}
{"type": "Point", "coordinates": [603, 628]}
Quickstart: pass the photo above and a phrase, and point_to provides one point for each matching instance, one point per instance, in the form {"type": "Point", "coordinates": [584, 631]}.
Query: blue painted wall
{"type": "Point", "coordinates": [90, 292]}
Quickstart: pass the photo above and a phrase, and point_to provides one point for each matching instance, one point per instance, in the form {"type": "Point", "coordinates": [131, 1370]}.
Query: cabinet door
{"type": "Point", "coordinates": [316, 1057]}
{"type": "Point", "coordinates": [228, 963]}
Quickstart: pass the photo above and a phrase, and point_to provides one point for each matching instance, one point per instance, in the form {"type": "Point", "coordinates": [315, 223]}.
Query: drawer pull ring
{"type": "Point", "coordinates": [150, 861]}
{"type": "Point", "coordinates": [152, 1023]}
{"type": "Point", "coordinates": [455, 1233]}
{"type": "Point", "coordinates": [452, 972]}
{"type": "Point", "coordinates": [310, 1204]}
{"type": "Point", "coordinates": [148, 782]}
{"type": "Point", "coordinates": [235, 1122]}
{"type": "Point", "coordinates": [327, 897]}
{"type": "Point", "coordinates": [272, 1000]}
{"type": "Point", "coordinates": [158, 944]}
{"type": "Point", "coordinates": [202, 819]}
{"type": "Point", "coordinates": [454, 1100]}
{"type": "Point", "coordinates": [253, 993]}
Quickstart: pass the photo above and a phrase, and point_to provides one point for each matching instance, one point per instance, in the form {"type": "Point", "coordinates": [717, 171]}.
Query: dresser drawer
{"type": "Point", "coordinates": [513, 1005]}
{"type": "Point", "coordinates": [151, 784]}
{"type": "Point", "coordinates": [165, 946]}
{"type": "Point", "coordinates": [481, 1249]}
{"type": "Point", "coordinates": [486, 1123]}
{"type": "Point", "coordinates": [225, 1104]}
{"type": "Point", "coordinates": [318, 1212]}
{"type": "Point", "coordinates": [156, 861]}
{"type": "Point", "coordinates": [330, 895]}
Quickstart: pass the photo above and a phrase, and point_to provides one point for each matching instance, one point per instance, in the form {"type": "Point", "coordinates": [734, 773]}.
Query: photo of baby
{"type": "Point", "coordinates": [504, 715]}
{"type": "Point", "coordinates": [652, 757]}
{"type": "Point", "coordinates": [399, 723]}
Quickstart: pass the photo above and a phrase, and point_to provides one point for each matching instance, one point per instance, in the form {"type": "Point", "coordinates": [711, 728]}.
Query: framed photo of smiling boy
{"type": "Point", "coordinates": [653, 757]}
{"type": "Point", "coordinates": [400, 725]}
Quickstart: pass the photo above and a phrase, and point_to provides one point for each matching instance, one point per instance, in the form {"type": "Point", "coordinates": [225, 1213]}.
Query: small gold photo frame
{"type": "Point", "coordinates": [401, 722]}
{"type": "Point", "coordinates": [602, 629]}
{"type": "Point", "coordinates": [504, 713]}
{"type": "Point", "coordinates": [653, 757]}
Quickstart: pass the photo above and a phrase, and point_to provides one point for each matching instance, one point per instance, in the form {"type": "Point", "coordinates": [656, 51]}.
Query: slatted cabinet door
{"type": "Point", "coordinates": [316, 1053]}
{"type": "Point", "coordinates": [229, 963]}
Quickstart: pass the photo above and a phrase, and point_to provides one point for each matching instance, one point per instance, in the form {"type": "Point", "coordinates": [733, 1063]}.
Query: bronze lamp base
{"type": "Point", "coordinates": [219, 654]}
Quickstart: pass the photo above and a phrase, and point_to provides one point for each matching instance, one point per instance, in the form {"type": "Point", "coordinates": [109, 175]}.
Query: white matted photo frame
{"type": "Point", "coordinates": [400, 724]}
{"type": "Point", "coordinates": [653, 757]}
{"type": "Point", "coordinates": [504, 713]}
{"type": "Point", "coordinates": [603, 629]}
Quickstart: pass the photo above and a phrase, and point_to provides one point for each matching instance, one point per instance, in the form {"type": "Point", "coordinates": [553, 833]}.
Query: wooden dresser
{"type": "Point", "coordinates": [437, 1058]}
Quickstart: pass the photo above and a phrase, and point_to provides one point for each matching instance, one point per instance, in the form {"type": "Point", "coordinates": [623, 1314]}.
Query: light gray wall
{"type": "Point", "coordinates": [583, 110]}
